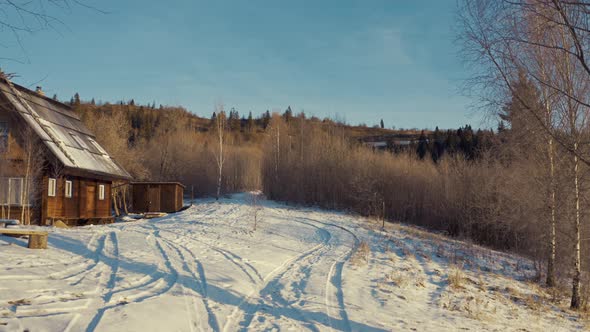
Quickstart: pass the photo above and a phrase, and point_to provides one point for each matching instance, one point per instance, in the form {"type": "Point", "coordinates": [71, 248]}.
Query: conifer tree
{"type": "Point", "coordinates": [288, 115]}
{"type": "Point", "coordinates": [422, 145]}
{"type": "Point", "coordinates": [250, 122]}
{"type": "Point", "coordinates": [266, 119]}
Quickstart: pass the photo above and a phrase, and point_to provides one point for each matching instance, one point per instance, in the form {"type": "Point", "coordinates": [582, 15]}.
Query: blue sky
{"type": "Point", "coordinates": [358, 60]}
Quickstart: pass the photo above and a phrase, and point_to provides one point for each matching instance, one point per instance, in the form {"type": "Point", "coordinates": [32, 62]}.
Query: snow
{"type": "Point", "coordinates": [206, 269]}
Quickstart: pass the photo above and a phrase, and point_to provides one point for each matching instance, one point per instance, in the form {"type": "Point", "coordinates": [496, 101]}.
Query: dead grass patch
{"type": "Point", "coordinates": [399, 279]}
{"type": "Point", "coordinates": [20, 302]}
{"type": "Point", "coordinates": [456, 278]}
{"type": "Point", "coordinates": [361, 254]}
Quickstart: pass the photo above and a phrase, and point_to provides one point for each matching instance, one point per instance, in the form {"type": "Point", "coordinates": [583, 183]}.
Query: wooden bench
{"type": "Point", "coordinates": [7, 222]}
{"type": "Point", "coordinates": [37, 239]}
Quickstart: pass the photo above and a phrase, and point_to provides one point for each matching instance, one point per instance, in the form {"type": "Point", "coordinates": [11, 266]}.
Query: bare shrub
{"type": "Point", "coordinates": [456, 278]}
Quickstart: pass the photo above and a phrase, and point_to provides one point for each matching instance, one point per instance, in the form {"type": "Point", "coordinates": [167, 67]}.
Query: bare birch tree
{"type": "Point", "coordinates": [219, 152]}
{"type": "Point", "coordinates": [547, 40]}
{"type": "Point", "coordinates": [32, 164]}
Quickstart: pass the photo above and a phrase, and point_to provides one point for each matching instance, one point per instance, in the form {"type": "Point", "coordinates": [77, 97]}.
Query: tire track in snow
{"type": "Point", "coordinates": [270, 285]}
{"type": "Point", "coordinates": [114, 265]}
{"type": "Point", "coordinates": [54, 305]}
{"type": "Point", "coordinates": [335, 278]}
{"type": "Point", "coordinates": [150, 285]}
{"type": "Point", "coordinates": [199, 278]}
{"type": "Point", "coordinates": [100, 244]}
{"type": "Point", "coordinates": [227, 254]}
{"type": "Point", "coordinates": [333, 287]}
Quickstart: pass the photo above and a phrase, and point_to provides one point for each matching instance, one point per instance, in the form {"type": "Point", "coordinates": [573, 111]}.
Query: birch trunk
{"type": "Point", "coordinates": [552, 231]}
{"type": "Point", "coordinates": [576, 300]}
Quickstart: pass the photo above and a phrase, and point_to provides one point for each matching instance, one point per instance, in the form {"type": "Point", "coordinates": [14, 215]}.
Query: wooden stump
{"type": "Point", "coordinates": [38, 241]}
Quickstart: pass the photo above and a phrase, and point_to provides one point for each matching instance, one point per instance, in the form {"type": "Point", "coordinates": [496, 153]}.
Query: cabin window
{"type": "Point", "coordinates": [79, 141]}
{"type": "Point", "coordinates": [11, 191]}
{"type": "Point", "coordinates": [3, 137]}
{"type": "Point", "coordinates": [15, 189]}
{"type": "Point", "coordinates": [97, 146]}
{"type": "Point", "coordinates": [51, 187]}
{"type": "Point", "coordinates": [69, 189]}
{"type": "Point", "coordinates": [101, 192]}
{"type": "Point", "coordinates": [3, 191]}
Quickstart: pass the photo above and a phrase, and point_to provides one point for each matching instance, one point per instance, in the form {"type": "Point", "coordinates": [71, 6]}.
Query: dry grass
{"type": "Point", "coordinates": [476, 307]}
{"type": "Point", "coordinates": [20, 302]}
{"type": "Point", "coordinates": [361, 254]}
{"type": "Point", "coordinates": [399, 279]}
{"type": "Point", "coordinates": [456, 278]}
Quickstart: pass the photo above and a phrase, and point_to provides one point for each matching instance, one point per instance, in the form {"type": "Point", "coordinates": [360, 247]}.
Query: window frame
{"type": "Point", "coordinates": [79, 141]}
{"type": "Point", "coordinates": [20, 196]}
{"type": "Point", "coordinates": [68, 185]}
{"type": "Point", "coordinates": [97, 146]}
{"type": "Point", "coordinates": [51, 188]}
{"type": "Point", "coordinates": [101, 192]}
{"type": "Point", "coordinates": [4, 137]}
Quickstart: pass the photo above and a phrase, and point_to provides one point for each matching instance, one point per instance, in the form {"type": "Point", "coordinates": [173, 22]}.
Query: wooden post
{"type": "Point", "coordinates": [114, 195]}
{"type": "Point", "coordinates": [38, 241]}
{"type": "Point", "coordinates": [125, 199]}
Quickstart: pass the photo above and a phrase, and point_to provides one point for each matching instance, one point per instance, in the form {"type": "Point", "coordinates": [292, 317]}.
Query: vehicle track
{"type": "Point", "coordinates": [271, 283]}
{"type": "Point", "coordinates": [227, 254]}
{"type": "Point", "coordinates": [199, 279]}
{"type": "Point", "coordinates": [334, 294]}
{"type": "Point", "coordinates": [113, 263]}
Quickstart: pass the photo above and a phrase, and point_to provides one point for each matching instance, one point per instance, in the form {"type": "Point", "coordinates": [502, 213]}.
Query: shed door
{"type": "Point", "coordinates": [90, 206]}
{"type": "Point", "coordinates": [153, 198]}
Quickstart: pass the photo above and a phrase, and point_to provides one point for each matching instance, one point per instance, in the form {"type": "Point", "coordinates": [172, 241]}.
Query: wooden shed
{"type": "Point", "coordinates": [156, 197]}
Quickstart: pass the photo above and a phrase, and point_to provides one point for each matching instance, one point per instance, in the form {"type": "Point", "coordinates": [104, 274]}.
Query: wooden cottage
{"type": "Point", "coordinates": [51, 167]}
{"type": "Point", "coordinates": [156, 197]}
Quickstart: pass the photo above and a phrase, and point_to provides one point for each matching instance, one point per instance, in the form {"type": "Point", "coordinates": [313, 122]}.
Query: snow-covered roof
{"type": "Point", "coordinates": [62, 131]}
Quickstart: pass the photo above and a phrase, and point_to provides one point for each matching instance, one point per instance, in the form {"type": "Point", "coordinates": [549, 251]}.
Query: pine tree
{"type": "Point", "coordinates": [382, 124]}
{"type": "Point", "coordinates": [213, 121]}
{"type": "Point", "coordinates": [55, 97]}
{"type": "Point", "coordinates": [288, 115]}
{"type": "Point", "coordinates": [250, 122]}
{"type": "Point", "coordinates": [422, 145]}
{"type": "Point", "coordinates": [234, 120]}
{"type": "Point", "coordinates": [438, 147]}
{"type": "Point", "coordinates": [266, 119]}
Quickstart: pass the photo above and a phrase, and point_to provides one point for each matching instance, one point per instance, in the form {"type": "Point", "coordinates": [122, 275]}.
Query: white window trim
{"type": "Point", "coordinates": [69, 188]}
{"type": "Point", "coordinates": [97, 146]}
{"type": "Point", "coordinates": [51, 187]}
{"type": "Point", "coordinates": [101, 192]}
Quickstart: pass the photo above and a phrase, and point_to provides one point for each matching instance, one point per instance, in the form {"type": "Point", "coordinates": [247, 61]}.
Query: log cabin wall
{"type": "Point", "coordinates": [84, 205]}
{"type": "Point", "coordinates": [11, 161]}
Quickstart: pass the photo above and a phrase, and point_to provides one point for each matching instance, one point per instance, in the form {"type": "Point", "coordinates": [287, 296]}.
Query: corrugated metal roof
{"type": "Point", "coordinates": [62, 131]}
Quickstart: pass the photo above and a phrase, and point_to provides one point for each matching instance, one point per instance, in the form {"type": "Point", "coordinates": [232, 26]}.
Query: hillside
{"type": "Point", "coordinates": [301, 269]}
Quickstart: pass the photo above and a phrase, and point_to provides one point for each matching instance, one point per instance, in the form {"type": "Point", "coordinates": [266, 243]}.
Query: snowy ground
{"type": "Point", "coordinates": [206, 269]}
